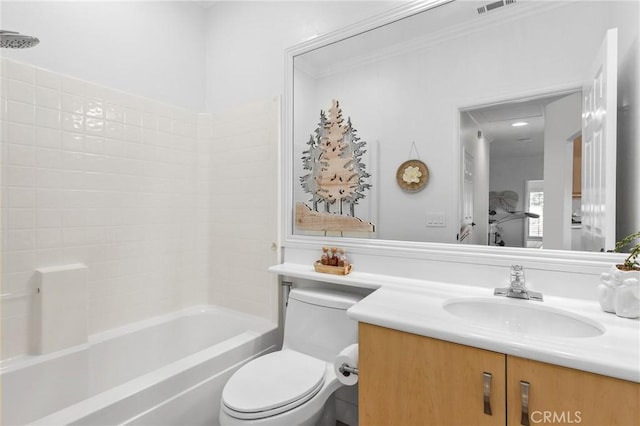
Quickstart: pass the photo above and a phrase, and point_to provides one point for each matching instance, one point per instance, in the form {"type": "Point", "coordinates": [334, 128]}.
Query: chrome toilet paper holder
{"type": "Point", "coordinates": [347, 370]}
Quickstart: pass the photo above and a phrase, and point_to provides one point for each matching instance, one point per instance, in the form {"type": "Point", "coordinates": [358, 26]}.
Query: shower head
{"type": "Point", "coordinates": [14, 40]}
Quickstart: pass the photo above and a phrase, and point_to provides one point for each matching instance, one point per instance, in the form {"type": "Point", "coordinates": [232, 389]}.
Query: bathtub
{"type": "Point", "coordinates": [168, 370]}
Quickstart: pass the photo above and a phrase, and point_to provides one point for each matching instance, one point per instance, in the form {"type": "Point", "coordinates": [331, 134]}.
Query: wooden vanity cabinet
{"type": "Point", "coordinates": [560, 395]}
{"type": "Point", "coordinates": [406, 379]}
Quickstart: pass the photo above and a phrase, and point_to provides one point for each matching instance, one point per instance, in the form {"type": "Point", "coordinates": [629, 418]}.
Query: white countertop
{"type": "Point", "coordinates": [416, 306]}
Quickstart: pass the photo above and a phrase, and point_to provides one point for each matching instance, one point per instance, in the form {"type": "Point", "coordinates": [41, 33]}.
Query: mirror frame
{"type": "Point", "coordinates": [560, 260]}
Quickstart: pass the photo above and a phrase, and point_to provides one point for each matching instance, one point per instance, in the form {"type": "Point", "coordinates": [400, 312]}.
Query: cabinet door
{"type": "Point", "coordinates": [407, 380]}
{"type": "Point", "coordinates": [559, 395]}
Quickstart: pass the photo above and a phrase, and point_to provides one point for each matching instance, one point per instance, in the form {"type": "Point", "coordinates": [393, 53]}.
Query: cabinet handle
{"type": "Point", "coordinates": [487, 392]}
{"type": "Point", "coordinates": [524, 401]}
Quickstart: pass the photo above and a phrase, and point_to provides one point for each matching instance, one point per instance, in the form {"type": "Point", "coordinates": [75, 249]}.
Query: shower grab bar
{"type": "Point", "coordinates": [10, 296]}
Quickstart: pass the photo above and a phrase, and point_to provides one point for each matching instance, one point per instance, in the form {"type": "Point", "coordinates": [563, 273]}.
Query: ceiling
{"type": "Point", "coordinates": [496, 121]}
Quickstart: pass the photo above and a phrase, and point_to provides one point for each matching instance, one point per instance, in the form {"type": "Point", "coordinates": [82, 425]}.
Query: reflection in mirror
{"type": "Point", "coordinates": [504, 146]}
{"type": "Point", "coordinates": [428, 78]}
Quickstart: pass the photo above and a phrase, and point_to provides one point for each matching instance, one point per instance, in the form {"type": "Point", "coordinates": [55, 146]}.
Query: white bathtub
{"type": "Point", "coordinates": [168, 370]}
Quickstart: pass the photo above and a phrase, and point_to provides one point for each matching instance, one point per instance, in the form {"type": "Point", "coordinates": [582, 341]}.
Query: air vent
{"type": "Point", "coordinates": [495, 5]}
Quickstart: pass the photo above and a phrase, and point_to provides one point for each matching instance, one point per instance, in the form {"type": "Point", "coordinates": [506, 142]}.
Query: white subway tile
{"type": "Point", "coordinates": [72, 103]}
{"type": "Point", "coordinates": [21, 92]}
{"type": "Point", "coordinates": [19, 176]}
{"type": "Point", "coordinates": [164, 124]}
{"type": "Point", "coordinates": [48, 79]}
{"type": "Point", "coordinates": [20, 133]}
{"type": "Point", "coordinates": [18, 261]}
{"type": "Point", "coordinates": [48, 98]}
{"type": "Point", "coordinates": [48, 198]}
{"type": "Point", "coordinates": [47, 117]}
{"type": "Point", "coordinates": [94, 126]}
{"type": "Point", "coordinates": [49, 158]}
{"type": "Point", "coordinates": [72, 122]}
{"type": "Point", "coordinates": [22, 239]}
{"type": "Point", "coordinates": [48, 138]}
{"type": "Point", "coordinates": [18, 282]}
{"type": "Point", "coordinates": [72, 160]}
{"type": "Point", "coordinates": [115, 113]}
{"type": "Point", "coordinates": [21, 218]}
{"type": "Point", "coordinates": [72, 179]}
{"type": "Point", "coordinates": [53, 256]}
{"type": "Point", "coordinates": [49, 238]}
{"type": "Point", "coordinates": [20, 155]}
{"type": "Point", "coordinates": [49, 218]}
{"type": "Point", "coordinates": [73, 218]}
{"type": "Point", "coordinates": [132, 133]}
{"type": "Point", "coordinates": [94, 108]}
{"type": "Point", "coordinates": [18, 112]}
{"type": "Point", "coordinates": [132, 117]}
{"type": "Point", "coordinates": [74, 142]}
{"type": "Point", "coordinates": [150, 121]}
{"type": "Point", "coordinates": [22, 197]}
{"type": "Point", "coordinates": [191, 130]}
{"type": "Point", "coordinates": [96, 235]}
{"type": "Point", "coordinates": [73, 236]}
{"type": "Point", "coordinates": [71, 198]}
{"type": "Point", "coordinates": [73, 86]}
{"type": "Point", "coordinates": [96, 91]}
{"type": "Point", "coordinates": [49, 178]}
{"type": "Point", "coordinates": [114, 130]}
{"type": "Point", "coordinates": [114, 147]}
{"type": "Point", "coordinates": [94, 144]}
{"type": "Point", "coordinates": [15, 335]}
{"type": "Point", "coordinates": [20, 71]}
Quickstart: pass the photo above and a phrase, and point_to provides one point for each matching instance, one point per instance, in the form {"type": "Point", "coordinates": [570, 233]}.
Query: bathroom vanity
{"type": "Point", "coordinates": [441, 353]}
{"type": "Point", "coordinates": [414, 380]}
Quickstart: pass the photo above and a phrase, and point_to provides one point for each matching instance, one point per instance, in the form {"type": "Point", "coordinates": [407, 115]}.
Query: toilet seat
{"type": "Point", "coordinates": [273, 384]}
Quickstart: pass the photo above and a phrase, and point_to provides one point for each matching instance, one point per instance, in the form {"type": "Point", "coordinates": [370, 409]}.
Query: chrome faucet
{"type": "Point", "coordinates": [517, 287]}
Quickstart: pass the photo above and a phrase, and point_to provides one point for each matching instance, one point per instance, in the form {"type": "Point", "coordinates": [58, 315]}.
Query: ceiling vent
{"type": "Point", "coordinates": [495, 5]}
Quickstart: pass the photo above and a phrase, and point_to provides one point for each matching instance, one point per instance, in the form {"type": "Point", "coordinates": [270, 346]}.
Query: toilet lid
{"type": "Point", "coordinates": [272, 384]}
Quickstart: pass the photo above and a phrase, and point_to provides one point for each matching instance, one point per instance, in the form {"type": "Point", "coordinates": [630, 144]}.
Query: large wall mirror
{"type": "Point", "coordinates": [444, 82]}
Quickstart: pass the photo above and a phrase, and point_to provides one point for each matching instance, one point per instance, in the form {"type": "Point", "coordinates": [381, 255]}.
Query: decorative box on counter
{"type": "Point", "coordinates": [333, 261]}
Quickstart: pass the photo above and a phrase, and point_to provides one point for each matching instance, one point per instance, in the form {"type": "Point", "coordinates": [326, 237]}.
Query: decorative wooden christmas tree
{"type": "Point", "coordinates": [336, 176]}
{"type": "Point", "coordinates": [336, 172]}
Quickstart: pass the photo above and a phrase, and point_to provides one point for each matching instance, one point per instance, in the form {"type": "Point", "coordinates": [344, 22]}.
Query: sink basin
{"type": "Point", "coordinates": [522, 317]}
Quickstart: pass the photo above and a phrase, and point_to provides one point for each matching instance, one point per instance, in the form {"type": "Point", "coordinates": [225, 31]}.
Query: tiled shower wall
{"type": "Point", "coordinates": [244, 191]}
{"type": "Point", "coordinates": [102, 177]}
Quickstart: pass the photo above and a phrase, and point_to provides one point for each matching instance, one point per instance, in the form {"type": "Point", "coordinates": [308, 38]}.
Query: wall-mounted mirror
{"type": "Point", "coordinates": [444, 83]}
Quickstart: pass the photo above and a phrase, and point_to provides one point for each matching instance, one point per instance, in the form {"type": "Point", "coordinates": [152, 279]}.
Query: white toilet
{"type": "Point", "coordinates": [295, 386]}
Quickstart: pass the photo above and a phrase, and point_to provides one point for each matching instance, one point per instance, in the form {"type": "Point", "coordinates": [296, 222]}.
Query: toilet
{"type": "Point", "coordinates": [295, 386]}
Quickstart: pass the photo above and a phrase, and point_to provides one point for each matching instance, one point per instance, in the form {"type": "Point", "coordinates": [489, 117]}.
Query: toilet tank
{"type": "Point", "coordinates": [317, 324]}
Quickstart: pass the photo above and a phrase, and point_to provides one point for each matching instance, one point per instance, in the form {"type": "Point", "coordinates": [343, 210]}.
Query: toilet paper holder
{"type": "Point", "coordinates": [347, 370]}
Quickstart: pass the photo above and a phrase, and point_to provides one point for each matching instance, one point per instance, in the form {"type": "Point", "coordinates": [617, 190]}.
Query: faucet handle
{"type": "Point", "coordinates": [517, 275]}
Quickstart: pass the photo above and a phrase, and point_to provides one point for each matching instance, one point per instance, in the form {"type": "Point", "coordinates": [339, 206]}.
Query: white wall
{"type": "Point", "coordinates": [562, 122]}
{"type": "Point", "coordinates": [511, 174]}
{"type": "Point", "coordinates": [479, 148]}
{"type": "Point", "coordinates": [395, 104]}
{"type": "Point", "coordinates": [246, 41]}
{"type": "Point", "coordinates": [155, 49]}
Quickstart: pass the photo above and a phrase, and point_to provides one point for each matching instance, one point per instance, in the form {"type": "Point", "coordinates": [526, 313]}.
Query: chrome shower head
{"type": "Point", "coordinates": [14, 40]}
